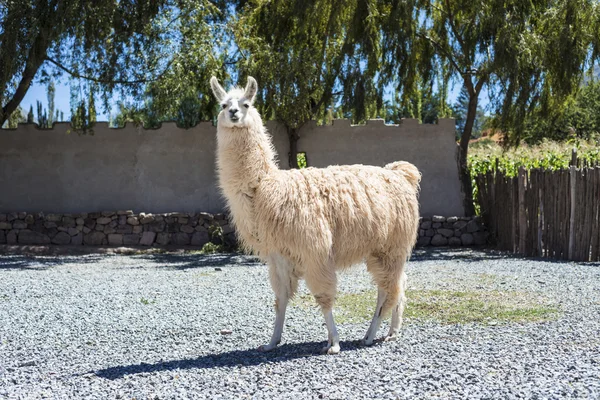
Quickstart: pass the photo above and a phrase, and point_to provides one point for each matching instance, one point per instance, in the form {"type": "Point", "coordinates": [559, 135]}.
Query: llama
{"type": "Point", "coordinates": [312, 222]}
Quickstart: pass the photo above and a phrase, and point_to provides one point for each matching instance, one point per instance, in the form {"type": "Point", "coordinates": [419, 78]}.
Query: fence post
{"type": "Point", "coordinates": [522, 185]}
{"type": "Point", "coordinates": [572, 174]}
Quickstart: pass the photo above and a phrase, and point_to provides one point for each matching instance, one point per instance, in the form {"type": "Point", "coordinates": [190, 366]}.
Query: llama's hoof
{"type": "Point", "coordinates": [266, 347]}
{"type": "Point", "coordinates": [366, 342]}
{"type": "Point", "coordinates": [335, 349]}
{"type": "Point", "coordinates": [391, 338]}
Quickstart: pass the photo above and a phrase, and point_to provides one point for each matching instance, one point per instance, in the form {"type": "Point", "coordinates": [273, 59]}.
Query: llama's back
{"type": "Point", "coordinates": [345, 212]}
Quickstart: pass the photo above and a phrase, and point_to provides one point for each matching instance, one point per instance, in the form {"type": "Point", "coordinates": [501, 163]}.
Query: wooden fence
{"type": "Point", "coordinates": [544, 213]}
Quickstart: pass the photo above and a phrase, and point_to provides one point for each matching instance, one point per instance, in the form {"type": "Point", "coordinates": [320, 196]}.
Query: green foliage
{"type": "Point", "coordinates": [548, 155]}
{"type": "Point", "coordinates": [117, 45]}
{"type": "Point", "coordinates": [302, 160]}
{"type": "Point", "coordinates": [15, 118]}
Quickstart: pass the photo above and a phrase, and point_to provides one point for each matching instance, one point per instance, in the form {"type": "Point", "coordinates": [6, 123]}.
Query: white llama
{"type": "Point", "coordinates": [312, 222]}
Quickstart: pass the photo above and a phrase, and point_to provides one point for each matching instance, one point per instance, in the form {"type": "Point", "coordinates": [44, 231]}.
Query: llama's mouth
{"type": "Point", "coordinates": [234, 119]}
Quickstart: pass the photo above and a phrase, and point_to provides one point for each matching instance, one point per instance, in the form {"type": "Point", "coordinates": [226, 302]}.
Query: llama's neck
{"type": "Point", "coordinates": [244, 157]}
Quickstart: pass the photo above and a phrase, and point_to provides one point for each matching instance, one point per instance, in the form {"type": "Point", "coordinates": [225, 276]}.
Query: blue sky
{"type": "Point", "coordinates": [63, 95]}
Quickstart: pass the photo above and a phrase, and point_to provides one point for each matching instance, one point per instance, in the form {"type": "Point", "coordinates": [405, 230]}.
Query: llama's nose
{"type": "Point", "coordinates": [233, 111]}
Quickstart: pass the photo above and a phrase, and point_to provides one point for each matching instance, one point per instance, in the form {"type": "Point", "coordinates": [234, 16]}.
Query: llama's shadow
{"type": "Point", "coordinates": [249, 357]}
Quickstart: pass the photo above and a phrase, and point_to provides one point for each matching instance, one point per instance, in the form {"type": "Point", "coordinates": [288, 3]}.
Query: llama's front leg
{"type": "Point", "coordinates": [333, 339]}
{"type": "Point", "coordinates": [284, 284]}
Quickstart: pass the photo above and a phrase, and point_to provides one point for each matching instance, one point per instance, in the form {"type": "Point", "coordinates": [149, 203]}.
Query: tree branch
{"type": "Point", "coordinates": [76, 74]}
{"type": "Point", "coordinates": [443, 51]}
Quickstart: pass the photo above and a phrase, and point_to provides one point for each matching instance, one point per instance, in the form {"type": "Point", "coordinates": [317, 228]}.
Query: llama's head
{"type": "Point", "coordinates": [236, 105]}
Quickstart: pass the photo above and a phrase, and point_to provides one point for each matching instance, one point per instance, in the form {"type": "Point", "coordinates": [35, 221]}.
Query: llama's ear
{"type": "Point", "coordinates": [217, 89]}
{"type": "Point", "coordinates": [251, 88]}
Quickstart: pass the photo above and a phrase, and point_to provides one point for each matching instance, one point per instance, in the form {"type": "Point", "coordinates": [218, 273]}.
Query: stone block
{"type": "Point", "coordinates": [451, 219]}
{"type": "Point", "coordinates": [227, 229]}
{"type": "Point", "coordinates": [11, 237]}
{"type": "Point", "coordinates": [29, 219]}
{"type": "Point", "coordinates": [147, 238]}
{"type": "Point", "coordinates": [124, 229]}
{"type": "Point", "coordinates": [183, 220]}
{"type": "Point", "coordinates": [5, 225]}
{"type": "Point", "coordinates": [108, 213]}
{"type": "Point", "coordinates": [68, 222]}
{"type": "Point", "coordinates": [79, 221]}
{"type": "Point", "coordinates": [156, 226]}
{"type": "Point", "coordinates": [122, 219]}
{"type": "Point", "coordinates": [472, 226]}
{"type": "Point", "coordinates": [21, 215]}
{"type": "Point", "coordinates": [2, 237]}
{"type": "Point", "coordinates": [436, 225]}
{"type": "Point", "coordinates": [459, 224]}
{"type": "Point", "coordinates": [94, 238]}
{"type": "Point", "coordinates": [49, 225]}
{"type": "Point", "coordinates": [206, 216]}
{"type": "Point", "coordinates": [438, 218]}
{"type": "Point", "coordinates": [61, 238]}
{"type": "Point", "coordinates": [454, 241]}
{"type": "Point", "coordinates": [180, 238]}
{"type": "Point", "coordinates": [163, 238]}
{"type": "Point", "coordinates": [466, 239]}
{"type": "Point", "coordinates": [77, 239]}
{"type": "Point", "coordinates": [429, 232]}
{"type": "Point", "coordinates": [421, 232]}
{"type": "Point", "coordinates": [90, 223]}
{"type": "Point", "coordinates": [200, 238]}
{"type": "Point", "coordinates": [131, 239]}
{"type": "Point", "coordinates": [86, 230]}
{"type": "Point", "coordinates": [138, 229]}
{"type": "Point", "coordinates": [104, 220]}
{"type": "Point", "coordinates": [109, 230]}
{"type": "Point", "coordinates": [187, 229]}
{"type": "Point", "coordinates": [426, 225]}
{"type": "Point", "coordinates": [115, 239]}
{"type": "Point", "coordinates": [30, 237]}
{"type": "Point", "coordinates": [11, 217]}
{"type": "Point", "coordinates": [146, 218]}
{"type": "Point", "coordinates": [19, 224]}
{"type": "Point", "coordinates": [54, 217]}
{"type": "Point", "coordinates": [446, 232]}
{"type": "Point", "coordinates": [3, 217]}
{"type": "Point", "coordinates": [125, 212]}
{"type": "Point", "coordinates": [133, 221]}
{"type": "Point", "coordinates": [424, 241]}
{"type": "Point", "coordinates": [439, 240]}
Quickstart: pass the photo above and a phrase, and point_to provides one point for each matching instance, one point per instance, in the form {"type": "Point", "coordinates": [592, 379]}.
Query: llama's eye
{"type": "Point", "coordinates": [247, 105]}
{"type": "Point", "coordinates": [224, 106]}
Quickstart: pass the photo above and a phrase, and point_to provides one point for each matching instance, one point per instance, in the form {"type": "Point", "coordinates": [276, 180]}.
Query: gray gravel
{"type": "Point", "coordinates": [150, 326]}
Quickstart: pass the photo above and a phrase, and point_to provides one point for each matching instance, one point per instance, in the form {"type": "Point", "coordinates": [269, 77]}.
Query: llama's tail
{"type": "Point", "coordinates": [410, 172]}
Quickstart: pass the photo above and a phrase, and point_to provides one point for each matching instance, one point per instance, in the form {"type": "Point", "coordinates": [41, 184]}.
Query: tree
{"type": "Point", "coordinates": [117, 45]}
{"type": "Point", "coordinates": [307, 56]}
{"type": "Point", "coordinates": [50, 91]}
{"type": "Point", "coordinates": [532, 51]}
{"type": "Point", "coordinates": [30, 117]}
{"type": "Point", "coordinates": [459, 112]}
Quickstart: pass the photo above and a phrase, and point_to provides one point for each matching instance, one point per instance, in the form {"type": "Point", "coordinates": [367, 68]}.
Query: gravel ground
{"type": "Point", "coordinates": [150, 326]}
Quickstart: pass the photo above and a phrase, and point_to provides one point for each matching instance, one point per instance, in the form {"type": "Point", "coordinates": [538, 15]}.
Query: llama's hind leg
{"type": "Point", "coordinates": [389, 276]}
{"type": "Point", "coordinates": [284, 284]}
{"type": "Point", "coordinates": [377, 317]}
{"type": "Point", "coordinates": [322, 284]}
{"type": "Point", "coordinates": [398, 310]}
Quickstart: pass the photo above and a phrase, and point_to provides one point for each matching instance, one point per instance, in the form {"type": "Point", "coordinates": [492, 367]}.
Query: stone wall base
{"type": "Point", "coordinates": [123, 228]}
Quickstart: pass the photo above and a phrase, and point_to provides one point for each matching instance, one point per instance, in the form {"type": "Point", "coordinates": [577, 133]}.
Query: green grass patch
{"type": "Point", "coordinates": [146, 301]}
{"type": "Point", "coordinates": [446, 307]}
